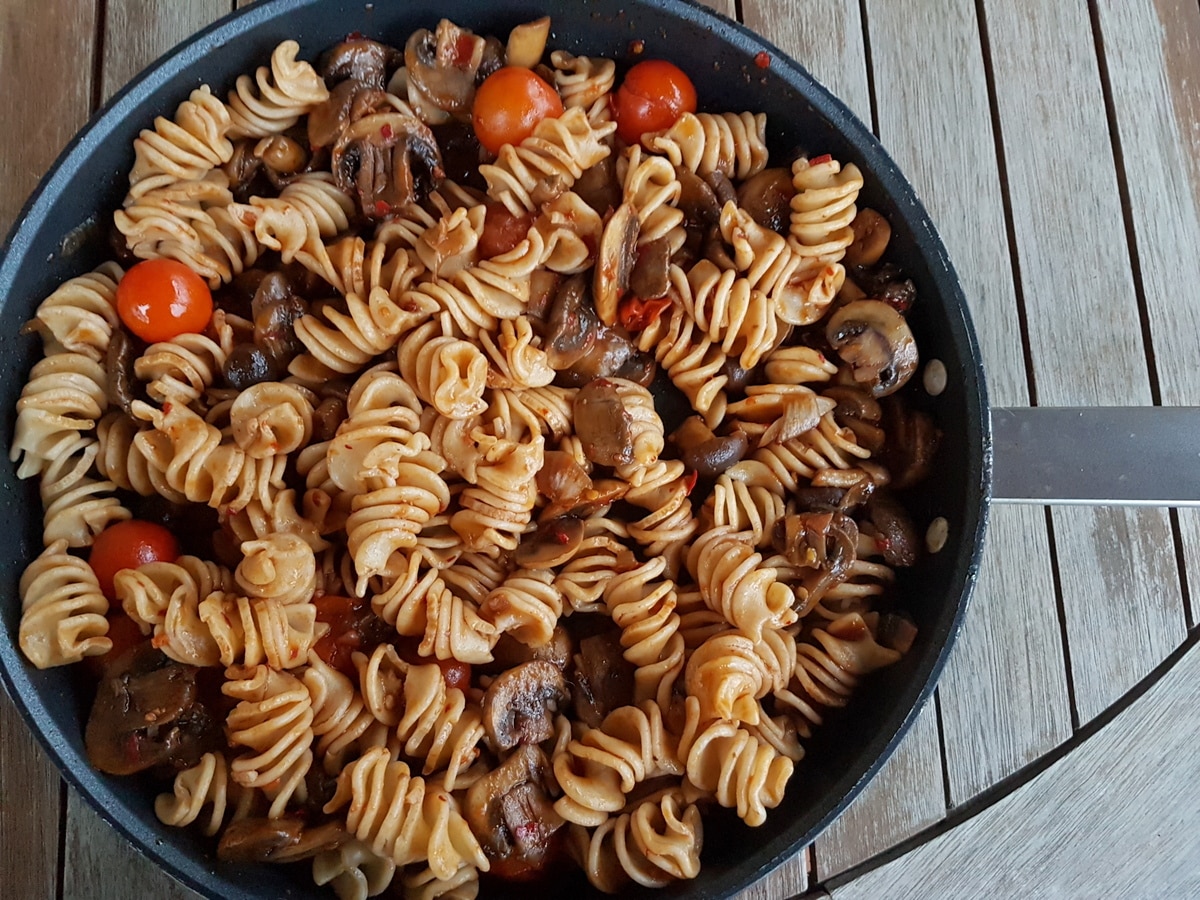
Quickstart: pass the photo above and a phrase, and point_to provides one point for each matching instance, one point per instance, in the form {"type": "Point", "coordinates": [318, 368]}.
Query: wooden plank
{"type": "Point", "coordinates": [1120, 587]}
{"type": "Point", "coordinates": [906, 796]}
{"type": "Point", "coordinates": [102, 865]}
{"type": "Point", "coordinates": [726, 8]}
{"type": "Point", "coordinates": [1152, 51]}
{"type": "Point", "coordinates": [136, 32]}
{"type": "Point", "coordinates": [1053, 837]}
{"type": "Point", "coordinates": [1007, 678]}
{"type": "Point", "coordinates": [824, 36]}
{"type": "Point", "coordinates": [789, 880]}
{"type": "Point", "coordinates": [29, 814]}
{"type": "Point", "coordinates": [39, 114]}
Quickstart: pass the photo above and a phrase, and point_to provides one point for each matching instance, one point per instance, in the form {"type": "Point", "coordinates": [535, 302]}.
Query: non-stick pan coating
{"type": "Point", "coordinates": [61, 233]}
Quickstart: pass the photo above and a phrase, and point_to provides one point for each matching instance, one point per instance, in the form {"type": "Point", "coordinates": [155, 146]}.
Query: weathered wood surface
{"type": "Point", "coordinates": [1063, 245]}
{"type": "Point", "coordinates": [1132, 836]}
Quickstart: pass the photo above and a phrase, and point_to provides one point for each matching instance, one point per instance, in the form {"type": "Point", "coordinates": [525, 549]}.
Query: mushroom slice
{"type": "Point", "coordinates": [614, 263]}
{"type": "Point", "coordinates": [706, 453]}
{"type": "Point", "coordinates": [824, 541]}
{"type": "Point", "coordinates": [360, 59]}
{"type": "Point", "coordinates": [876, 342]}
{"type": "Point", "coordinates": [767, 197]}
{"type": "Point", "coordinates": [442, 65]}
{"type": "Point", "coordinates": [871, 236]}
{"type": "Point", "coordinates": [347, 103]}
{"type": "Point", "coordinates": [510, 652]}
{"type": "Point", "coordinates": [282, 840]}
{"type": "Point", "coordinates": [603, 677]}
{"type": "Point", "coordinates": [387, 160]}
{"type": "Point", "coordinates": [649, 278]}
{"type": "Point", "coordinates": [554, 543]}
{"type": "Point", "coordinates": [512, 814]}
{"type": "Point", "coordinates": [603, 424]}
{"type": "Point", "coordinates": [121, 383]}
{"type": "Point", "coordinates": [697, 201]}
{"type": "Point", "coordinates": [896, 535]}
{"type": "Point", "coordinates": [519, 706]}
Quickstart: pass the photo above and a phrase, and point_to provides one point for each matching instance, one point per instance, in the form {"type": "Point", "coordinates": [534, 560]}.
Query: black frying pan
{"type": "Point", "coordinates": [60, 233]}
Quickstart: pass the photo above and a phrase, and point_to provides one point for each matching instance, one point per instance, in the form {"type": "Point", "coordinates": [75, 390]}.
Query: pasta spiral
{"type": "Point", "coordinates": [62, 610]}
{"type": "Point", "coordinates": [183, 149]}
{"type": "Point", "coordinates": [644, 609]}
{"type": "Point", "coordinates": [273, 719]}
{"type": "Point", "coordinates": [183, 368]}
{"type": "Point", "coordinates": [582, 80]}
{"type": "Point", "coordinates": [355, 871]}
{"type": "Point", "coordinates": [695, 365]}
{"type": "Point", "coordinates": [663, 489]}
{"type": "Point", "coordinates": [496, 508]}
{"type": "Point", "coordinates": [731, 143]}
{"type": "Point", "coordinates": [64, 397]}
{"type": "Point", "coordinates": [122, 461]}
{"type": "Point", "coordinates": [403, 817]}
{"type": "Point", "coordinates": [270, 419]}
{"type": "Point", "coordinates": [823, 207]}
{"type": "Point", "coordinates": [514, 358]}
{"type": "Point", "coordinates": [730, 672]}
{"type": "Point", "coordinates": [658, 841]}
{"type": "Point", "coordinates": [447, 373]}
{"type": "Point", "coordinates": [734, 583]}
{"type": "Point", "coordinates": [729, 311]}
{"type": "Point", "coordinates": [252, 632]}
{"type": "Point", "coordinates": [287, 90]}
{"type": "Point", "coordinates": [547, 162]}
{"type": "Point", "coordinates": [601, 555]}
{"type": "Point", "coordinates": [205, 784]}
{"type": "Point", "coordinates": [597, 770]}
{"type": "Point", "coordinates": [438, 725]}
{"type": "Point", "coordinates": [650, 185]}
{"type": "Point", "coordinates": [527, 606]}
{"type": "Point", "coordinates": [81, 313]}
{"type": "Point", "coordinates": [279, 567]}
{"type": "Point", "coordinates": [341, 721]}
{"type": "Point", "coordinates": [147, 592]}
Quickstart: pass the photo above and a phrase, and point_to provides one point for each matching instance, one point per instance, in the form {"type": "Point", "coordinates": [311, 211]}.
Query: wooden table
{"type": "Point", "coordinates": [1056, 144]}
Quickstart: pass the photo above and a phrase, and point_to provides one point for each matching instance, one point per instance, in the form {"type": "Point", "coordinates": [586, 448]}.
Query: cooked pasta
{"type": "Point", "coordinates": [461, 580]}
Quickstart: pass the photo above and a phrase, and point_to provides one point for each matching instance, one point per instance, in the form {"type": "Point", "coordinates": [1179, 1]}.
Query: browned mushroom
{"type": "Point", "coordinates": [699, 204]}
{"type": "Point", "coordinates": [329, 414]}
{"type": "Point", "coordinates": [893, 530]}
{"type": "Point", "coordinates": [598, 186]}
{"type": "Point", "coordinates": [767, 197]}
{"type": "Point", "coordinates": [876, 342]}
{"type": "Point", "coordinates": [283, 155]}
{"type": "Point", "coordinates": [603, 424]}
{"type": "Point", "coordinates": [276, 307]}
{"type": "Point", "coordinates": [721, 186]}
{"type": "Point", "coordinates": [360, 59]}
{"type": "Point", "coordinates": [461, 154]}
{"type": "Point", "coordinates": [715, 249]}
{"type": "Point", "coordinates": [554, 543]}
{"type": "Point", "coordinates": [706, 453]}
{"type": "Point", "coordinates": [242, 170]}
{"type": "Point", "coordinates": [912, 443]}
{"type": "Point", "coordinates": [121, 384]}
{"type": "Point", "coordinates": [884, 281]}
{"type": "Point", "coordinates": [580, 348]}
{"type": "Point", "coordinates": [519, 706]}
{"type": "Point", "coordinates": [649, 278]}
{"type": "Point", "coordinates": [247, 365]}
{"type": "Point", "coordinates": [442, 65]}
{"type": "Point", "coordinates": [348, 102]}
{"type": "Point", "coordinates": [509, 652]}
{"type": "Point", "coordinates": [824, 541]}
{"type": "Point", "coordinates": [603, 677]}
{"type": "Point", "coordinates": [896, 631]}
{"type": "Point", "coordinates": [387, 160]}
{"type": "Point", "coordinates": [511, 812]}
{"type": "Point", "coordinates": [147, 713]}
{"type": "Point", "coordinates": [736, 376]}
{"type": "Point", "coordinates": [614, 261]}
{"type": "Point", "coordinates": [871, 235]}
{"type": "Point", "coordinates": [283, 840]}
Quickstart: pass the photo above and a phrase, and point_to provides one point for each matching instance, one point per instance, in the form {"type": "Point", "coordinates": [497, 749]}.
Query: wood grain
{"type": "Point", "coordinates": [102, 865]}
{"type": "Point", "coordinates": [1120, 588]}
{"type": "Point", "coordinates": [1152, 50]}
{"type": "Point", "coordinates": [1134, 838]}
{"type": "Point", "coordinates": [137, 32]}
{"type": "Point", "coordinates": [1006, 679]}
{"type": "Point", "coordinates": [41, 107]}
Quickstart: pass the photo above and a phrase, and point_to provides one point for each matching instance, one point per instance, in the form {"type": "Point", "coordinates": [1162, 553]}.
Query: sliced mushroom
{"type": "Point", "coordinates": [912, 443]}
{"type": "Point", "coordinates": [121, 383]}
{"type": "Point", "coordinates": [861, 413]}
{"type": "Point", "coordinates": [442, 65]}
{"type": "Point", "coordinates": [706, 453]}
{"type": "Point", "coordinates": [248, 365]}
{"type": "Point", "coordinates": [603, 424]}
{"type": "Point", "coordinates": [896, 631]}
{"type": "Point", "coordinates": [387, 160]}
{"type": "Point", "coordinates": [511, 812]}
{"type": "Point", "coordinates": [461, 153]}
{"type": "Point", "coordinates": [243, 169]}
{"type": "Point", "coordinates": [348, 102]}
{"type": "Point", "coordinates": [282, 155]}
{"type": "Point", "coordinates": [767, 196]}
{"type": "Point", "coordinates": [876, 342]}
{"type": "Point", "coordinates": [614, 262]}
{"type": "Point", "coordinates": [519, 706]}
{"type": "Point", "coordinates": [147, 713]}
{"type": "Point", "coordinates": [697, 201]}
{"type": "Point", "coordinates": [715, 249]}
{"type": "Point", "coordinates": [510, 652]}
{"type": "Point", "coordinates": [554, 543]}
{"type": "Point", "coordinates": [886, 282]}
{"type": "Point", "coordinates": [283, 840]}
{"type": "Point", "coordinates": [598, 186]}
{"type": "Point", "coordinates": [581, 348]}
{"type": "Point", "coordinates": [649, 278]}
{"type": "Point", "coordinates": [360, 59]}
{"type": "Point", "coordinates": [276, 308]}
{"type": "Point", "coordinates": [824, 541]}
{"type": "Point", "coordinates": [895, 534]}
{"type": "Point", "coordinates": [603, 677]}
{"type": "Point", "coordinates": [722, 187]}
{"type": "Point", "coordinates": [871, 236]}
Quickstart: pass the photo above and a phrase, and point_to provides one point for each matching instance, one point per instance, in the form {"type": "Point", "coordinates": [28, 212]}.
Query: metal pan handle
{"type": "Point", "coordinates": [1097, 456]}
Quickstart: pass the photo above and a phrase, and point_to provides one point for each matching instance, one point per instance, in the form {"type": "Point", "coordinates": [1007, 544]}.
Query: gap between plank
{"type": "Point", "coordinates": [866, 32]}
{"type": "Point", "coordinates": [1060, 606]}
{"type": "Point", "coordinates": [1019, 778]}
{"type": "Point", "coordinates": [737, 11]}
{"type": "Point", "coordinates": [1181, 564]}
{"type": "Point", "coordinates": [60, 877]}
{"type": "Point", "coordinates": [941, 733]}
{"type": "Point", "coordinates": [98, 57]}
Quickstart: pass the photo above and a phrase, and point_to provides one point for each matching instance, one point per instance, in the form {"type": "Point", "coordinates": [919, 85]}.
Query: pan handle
{"type": "Point", "coordinates": [1097, 456]}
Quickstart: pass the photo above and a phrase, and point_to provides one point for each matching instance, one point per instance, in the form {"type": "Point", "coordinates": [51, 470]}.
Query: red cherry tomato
{"type": "Point", "coordinates": [456, 674]}
{"type": "Point", "coordinates": [509, 105]}
{"type": "Point", "coordinates": [636, 314]}
{"type": "Point", "coordinates": [502, 231]}
{"type": "Point", "coordinates": [159, 299]}
{"type": "Point", "coordinates": [343, 615]}
{"type": "Point", "coordinates": [652, 97]}
{"type": "Point", "coordinates": [127, 545]}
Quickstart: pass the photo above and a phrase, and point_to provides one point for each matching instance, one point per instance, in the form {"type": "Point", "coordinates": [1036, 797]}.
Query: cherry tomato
{"type": "Point", "coordinates": [159, 299]}
{"type": "Point", "coordinates": [635, 314]}
{"type": "Point", "coordinates": [127, 545]}
{"type": "Point", "coordinates": [124, 633]}
{"type": "Point", "coordinates": [456, 674]}
{"type": "Point", "coordinates": [342, 614]}
{"type": "Point", "coordinates": [502, 231]}
{"type": "Point", "coordinates": [652, 97]}
{"type": "Point", "coordinates": [509, 105]}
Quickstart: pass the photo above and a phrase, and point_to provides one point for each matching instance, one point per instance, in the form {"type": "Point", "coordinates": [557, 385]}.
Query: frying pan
{"type": "Point", "coordinates": [61, 233]}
